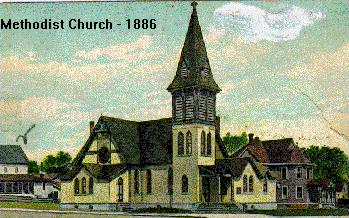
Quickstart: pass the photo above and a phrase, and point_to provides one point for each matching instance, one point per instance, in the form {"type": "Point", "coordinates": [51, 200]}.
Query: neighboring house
{"type": "Point", "coordinates": [15, 182]}
{"type": "Point", "coordinates": [285, 159]}
{"type": "Point", "coordinates": [342, 191]}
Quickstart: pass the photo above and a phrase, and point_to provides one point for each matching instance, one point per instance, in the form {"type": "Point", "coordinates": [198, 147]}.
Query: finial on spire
{"type": "Point", "coordinates": [194, 4]}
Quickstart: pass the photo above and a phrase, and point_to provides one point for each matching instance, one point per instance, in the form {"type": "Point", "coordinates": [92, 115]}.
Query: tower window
{"type": "Point", "coordinates": [209, 145]}
{"type": "Point", "coordinates": [204, 72]}
{"type": "Point", "coordinates": [180, 143]}
{"type": "Point", "coordinates": [202, 106]}
{"type": "Point", "coordinates": [148, 181]}
{"type": "Point", "coordinates": [203, 143]}
{"type": "Point", "coordinates": [179, 108]}
{"type": "Point", "coordinates": [136, 180]}
{"type": "Point", "coordinates": [184, 70]}
{"type": "Point", "coordinates": [185, 185]}
{"type": "Point", "coordinates": [188, 139]}
{"type": "Point", "coordinates": [189, 107]}
{"type": "Point", "coordinates": [210, 108]}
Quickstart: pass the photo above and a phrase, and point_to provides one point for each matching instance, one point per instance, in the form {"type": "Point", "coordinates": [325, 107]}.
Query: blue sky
{"type": "Point", "coordinates": [260, 53]}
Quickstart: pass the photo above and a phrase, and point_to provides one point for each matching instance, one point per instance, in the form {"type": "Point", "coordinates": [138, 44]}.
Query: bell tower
{"type": "Point", "coordinates": [193, 91]}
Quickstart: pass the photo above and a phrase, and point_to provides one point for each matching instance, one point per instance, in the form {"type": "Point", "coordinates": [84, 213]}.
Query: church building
{"type": "Point", "coordinates": [179, 161]}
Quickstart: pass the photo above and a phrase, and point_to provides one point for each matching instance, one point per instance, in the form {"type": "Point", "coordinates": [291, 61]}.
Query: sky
{"type": "Point", "coordinates": [266, 56]}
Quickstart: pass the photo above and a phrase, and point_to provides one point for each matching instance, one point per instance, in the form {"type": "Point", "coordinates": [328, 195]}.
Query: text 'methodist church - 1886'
{"type": "Point", "coordinates": [179, 160]}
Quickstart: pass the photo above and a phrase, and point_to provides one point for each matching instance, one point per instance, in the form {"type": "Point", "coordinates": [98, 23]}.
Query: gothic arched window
{"type": "Point", "coordinates": [203, 143]}
{"type": "Point", "coordinates": [83, 185]}
{"type": "Point", "coordinates": [184, 70]}
{"type": "Point", "coordinates": [120, 190]}
{"type": "Point", "coordinates": [188, 138]}
{"type": "Point", "coordinates": [136, 181]}
{"type": "Point", "coordinates": [265, 185]}
{"type": "Point", "coordinates": [170, 180]}
{"type": "Point", "coordinates": [244, 188]}
{"type": "Point", "coordinates": [209, 144]}
{"type": "Point", "coordinates": [148, 181]}
{"type": "Point", "coordinates": [250, 184]}
{"type": "Point", "coordinates": [180, 143]}
{"type": "Point", "coordinates": [90, 185]}
{"type": "Point", "coordinates": [185, 187]}
{"type": "Point", "coordinates": [76, 186]}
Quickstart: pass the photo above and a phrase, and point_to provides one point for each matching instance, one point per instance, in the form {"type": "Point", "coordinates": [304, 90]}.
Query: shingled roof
{"type": "Point", "coordinates": [194, 56]}
{"type": "Point", "coordinates": [12, 154]}
{"type": "Point", "coordinates": [274, 151]}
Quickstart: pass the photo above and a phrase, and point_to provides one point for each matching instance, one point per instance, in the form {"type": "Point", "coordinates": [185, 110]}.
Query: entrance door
{"type": "Point", "coordinates": [206, 189]}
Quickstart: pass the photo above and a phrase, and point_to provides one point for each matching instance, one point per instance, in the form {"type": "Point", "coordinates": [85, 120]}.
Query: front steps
{"type": "Point", "coordinates": [217, 208]}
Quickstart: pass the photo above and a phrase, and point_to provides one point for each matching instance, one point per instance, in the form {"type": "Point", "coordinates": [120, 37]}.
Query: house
{"type": "Point", "coordinates": [285, 159]}
{"type": "Point", "coordinates": [15, 182]}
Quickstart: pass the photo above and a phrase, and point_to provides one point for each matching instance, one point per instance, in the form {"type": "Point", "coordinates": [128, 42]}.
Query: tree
{"type": "Point", "coordinates": [330, 163]}
{"type": "Point", "coordinates": [235, 142]}
{"type": "Point", "coordinates": [33, 167]}
{"type": "Point", "coordinates": [59, 164]}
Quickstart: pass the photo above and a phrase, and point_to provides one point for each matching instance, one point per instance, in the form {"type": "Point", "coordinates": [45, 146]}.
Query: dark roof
{"type": "Point", "coordinates": [195, 57]}
{"type": "Point", "coordinates": [28, 177]}
{"type": "Point", "coordinates": [274, 151]}
{"type": "Point", "coordinates": [12, 154]}
{"type": "Point", "coordinates": [105, 172]}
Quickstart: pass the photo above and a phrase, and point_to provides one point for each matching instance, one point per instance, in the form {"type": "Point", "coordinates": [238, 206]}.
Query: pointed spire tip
{"type": "Point", "coordinates": [194, 4]}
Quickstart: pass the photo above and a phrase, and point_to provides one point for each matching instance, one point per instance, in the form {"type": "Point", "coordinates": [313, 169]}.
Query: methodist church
{"type": "Point", "coordinates": [178, 161]}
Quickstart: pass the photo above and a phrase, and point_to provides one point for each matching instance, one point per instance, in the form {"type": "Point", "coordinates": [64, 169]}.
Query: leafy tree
{"type": "Point", "coordinates": [235, 142]}
{"type": "Point", "coordinates": [330, 163]}
{"type": "Point", "coordinates": [33, 167]}
{"type": "Point", "coordinates": [59, 164]}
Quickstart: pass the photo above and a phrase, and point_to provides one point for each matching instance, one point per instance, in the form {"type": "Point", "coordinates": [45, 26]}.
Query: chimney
{"type": "Point", "coordinates": [92, 125]}
{"type": "Point", "coordinates": [250, 137]}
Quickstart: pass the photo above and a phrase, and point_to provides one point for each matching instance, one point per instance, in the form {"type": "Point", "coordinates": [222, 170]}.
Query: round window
{"type": "Point", "coordinates": [103, 155]}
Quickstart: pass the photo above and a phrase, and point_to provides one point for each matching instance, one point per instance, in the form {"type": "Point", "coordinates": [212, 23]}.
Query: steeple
{"type": "Point", "coordinates": [194, 68]}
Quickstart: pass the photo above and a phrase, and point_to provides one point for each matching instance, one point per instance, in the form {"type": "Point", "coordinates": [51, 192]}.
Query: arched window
{"type": "Point", "coordinates": [189, 140]}
{"type": "Point", "coordinates": [244, 189]}
{"type": "Point", "coordinates": [136, 181]}
{"type": "Point", "coordinates": [90, 185]}
{"type": "Point", "coordinates": [148, 181]}
{"type": "Point", "coordinates": [120, 190]}
{"type": "Point", "coordinates": [83, 185]}
{"type": "Point", "coordinates": [170, 181]}
{"type": "Point", "coordinates": [209, 145]}
{"type": "Point", "coordinates": [185, 184]}
{"type": "Point", "coordinates": [180, 143]}
{"type": "Point", "coordinates": [250, 184]}
{"type": "Point", "coordinates": [76, 186]}
{"type": "Point", "coordinates": [203, 143]}
{"type": "Point", "coordinates": [265, 185]}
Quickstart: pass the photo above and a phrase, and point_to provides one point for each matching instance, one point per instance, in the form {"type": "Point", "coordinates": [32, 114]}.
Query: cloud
{"type": "Point", "coordinates": [255, 24]}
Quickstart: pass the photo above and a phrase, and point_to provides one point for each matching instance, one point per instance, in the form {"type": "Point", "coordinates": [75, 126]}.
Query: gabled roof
{"type": "Point", "coordinates": [274, 151]}
{"type": "Point", "coordinates": [105, 172]}
{"type": "Point", "coordinates": [12, 154]}
{"type": "Point", "coordinates": [194, 57]}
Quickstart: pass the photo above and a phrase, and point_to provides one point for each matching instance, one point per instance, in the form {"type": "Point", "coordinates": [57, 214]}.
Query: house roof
{"type": "Point", "coordinates": [274, 151]}
{"type": "Point", "coordinates": [27, 177]}
{"type": "Point", "coordinates": [194, 56]}
{"type": "Point", "coordinates": [12, 154]}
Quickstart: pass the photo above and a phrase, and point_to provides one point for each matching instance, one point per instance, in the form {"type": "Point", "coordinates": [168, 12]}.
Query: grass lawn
{"type": "Point", "coordinates": [29, 205]}
{"type": "Point", "coordinates": [303, 212]}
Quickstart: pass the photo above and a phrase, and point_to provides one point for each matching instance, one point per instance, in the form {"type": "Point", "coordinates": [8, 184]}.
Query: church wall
{"type": "Point", "coordinates": [101, 191]}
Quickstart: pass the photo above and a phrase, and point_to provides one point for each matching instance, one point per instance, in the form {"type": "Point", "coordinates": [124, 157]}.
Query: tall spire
{"type": "Point", "coordinates": [194, 68]}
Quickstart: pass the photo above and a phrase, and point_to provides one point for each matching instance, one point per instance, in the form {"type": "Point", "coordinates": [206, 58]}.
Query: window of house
{"type": "Point", "coordinates": [2, 187]}
{"type": "Point", "coordinates": [9, 187]}
{"type": "Point", "coordinates": [16, 170]}
{"type": "Point", "coordinates": [15, 187]}
{"type": "Point", "coordinates": [185, 187]}
{"type": "Point", "coordinates": [180, 143]}
{"type": "Point", "coordinates": [76, 186]}
{"type": "Point", "coordinates": [83, 185]}
{"type": "Point", "coordinates": [120, 190]}
{"type": "Point", "coordinates": [299, 172]}
{"type": "Point", "coordinates": [244, 184]}
{"type": "Point", "coordinates": [265, 185]}
{"type": "Point", "coordinates": [284, 192]}
{"type": "Point", "coordinates": [136, 181]}
{"type": "Point", "coordinates": [308, 173]}
{"type": "Point", "coordinates": [209, 146]}
{"type": "Point", "coordinates": [189, 140]}
{"type": "Point", "coordinates": [238, 190]}
{"type": "Point", "coordinates": [148, 181]}
{"type": "Point", "coordinates": [299, 190]}
{"type": "Point", "coordinates": [203, 143]}
{"type": "Point", "coordinates": [5, 169]}
{"type": "Point", "coordinates": [43, 186]}
{"type": "Point", "coordinates": [284, 172]}
{"type": "Point", "coordinates": [90, 185]}
{"type": "Point", "coordinates": [250, 184]}
{"type": "Point", "coordinates": [170, 180]}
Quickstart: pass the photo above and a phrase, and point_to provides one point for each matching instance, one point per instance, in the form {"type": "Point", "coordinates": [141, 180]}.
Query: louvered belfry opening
{"type": "Point", "coordinates": [193, 87]}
